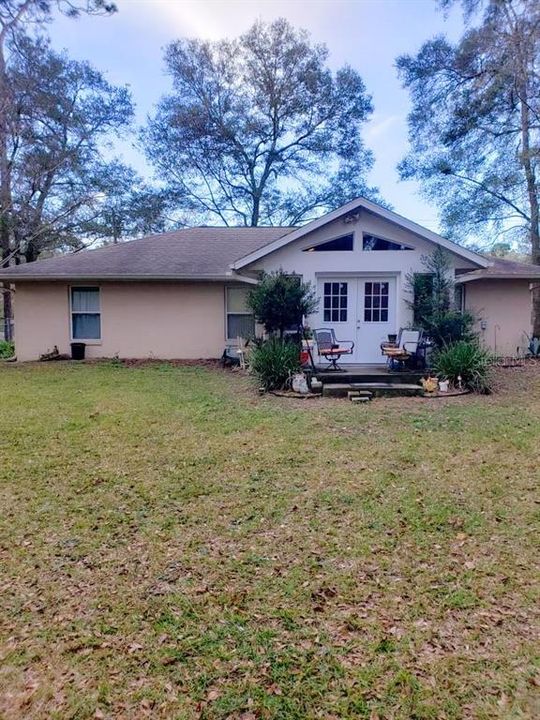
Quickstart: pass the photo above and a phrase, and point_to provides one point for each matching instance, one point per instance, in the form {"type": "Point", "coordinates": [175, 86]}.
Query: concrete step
{"type": "Point", "coordinates": [339, 378]}
{"type": "Point", "coordinates": [375, 389]}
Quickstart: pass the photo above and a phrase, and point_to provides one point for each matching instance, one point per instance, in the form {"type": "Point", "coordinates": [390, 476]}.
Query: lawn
{"type": "Point", "coordinates": [174, 546]}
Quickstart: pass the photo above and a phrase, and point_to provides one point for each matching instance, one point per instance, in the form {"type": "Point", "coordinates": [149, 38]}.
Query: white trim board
{"type": "Point", "coordinates": [362, 203]}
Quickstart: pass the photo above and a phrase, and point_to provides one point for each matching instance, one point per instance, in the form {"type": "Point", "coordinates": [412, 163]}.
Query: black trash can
{"type": "Point", "coordinates": [77, 351]}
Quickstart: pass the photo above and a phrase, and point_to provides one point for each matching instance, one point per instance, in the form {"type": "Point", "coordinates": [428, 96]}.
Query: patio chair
{"type": "Point", "coordinates": [329, 347]}
{"type": "Point", "coordinates": [405, 350]}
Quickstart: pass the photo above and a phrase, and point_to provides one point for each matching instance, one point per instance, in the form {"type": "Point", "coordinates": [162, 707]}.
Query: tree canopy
{"type": "Point", "coordinates": [474, 127]}
{"type": "Point", "coordinates": [258, 130]}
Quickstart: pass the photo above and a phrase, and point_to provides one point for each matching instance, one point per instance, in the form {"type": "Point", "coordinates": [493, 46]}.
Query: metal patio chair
{"type": "Point", "coordinates": [330, 348]}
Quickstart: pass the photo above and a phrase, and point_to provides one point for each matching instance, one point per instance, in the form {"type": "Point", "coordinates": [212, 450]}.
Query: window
{"type": "Point", "coordinates": [240, 321]}
{"type": "Point", "coordinates": [370, 242]}
{"type": "Point", "coordinates": [376, 301]}
{"type": "Point", "coordinates": [340, 244]}
{"type": "Point", "coordinates": [335, 302]}
{"type": "Point", "coordinates": [85, 313]}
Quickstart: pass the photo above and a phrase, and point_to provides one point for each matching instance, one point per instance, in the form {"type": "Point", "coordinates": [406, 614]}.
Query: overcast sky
{"type": "Point", "coordinates": [366, 34]}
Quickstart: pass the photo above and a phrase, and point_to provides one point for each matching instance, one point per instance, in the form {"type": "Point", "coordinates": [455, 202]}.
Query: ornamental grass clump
{"type": "Point", "coordinates": [467, 361]}
{"type": "Point", "coordinates": [274, 361]}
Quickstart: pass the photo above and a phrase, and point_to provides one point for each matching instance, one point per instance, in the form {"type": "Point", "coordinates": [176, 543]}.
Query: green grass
{"type": "Point", "coordinates": [172, 545]}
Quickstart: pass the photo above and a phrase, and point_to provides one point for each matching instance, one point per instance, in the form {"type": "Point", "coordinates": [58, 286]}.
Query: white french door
{"type": "Point", "coordinates": [361, 309]}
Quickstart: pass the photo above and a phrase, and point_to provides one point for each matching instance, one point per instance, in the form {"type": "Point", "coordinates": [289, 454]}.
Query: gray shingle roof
{"type": "Point", "coordinates": [501, 269]}
{"type": "Point", "coordinates": [191, 253]}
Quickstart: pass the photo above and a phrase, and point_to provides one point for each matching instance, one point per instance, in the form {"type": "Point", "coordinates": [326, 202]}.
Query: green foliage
{"type": "Point", "coordinates": [280, 301]}
{"type": "Point", "coordinates": [432, 295]}
{"type": "Point", "coordinates": [450, 327]}
{"type": "Point", "coordinates": [467, 360]}
{"type": "Point", "coordinates": [258, 130]}
{"type": "Point", "coordinates": [7, 349]}
{"type": "Point", "coordinates": [274, 361]}
{"type": "Point", "coordinates": [473, 125]}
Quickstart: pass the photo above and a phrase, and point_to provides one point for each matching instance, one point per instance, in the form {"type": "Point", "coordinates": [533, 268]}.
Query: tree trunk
{"type": "Point", "coordinates": [5, 193]}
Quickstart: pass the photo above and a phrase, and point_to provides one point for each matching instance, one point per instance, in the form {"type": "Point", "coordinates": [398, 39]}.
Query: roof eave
{"type": "Point", "coordinates": [227, 277]}
{"type": "Point", "coordinates": [471, 277]}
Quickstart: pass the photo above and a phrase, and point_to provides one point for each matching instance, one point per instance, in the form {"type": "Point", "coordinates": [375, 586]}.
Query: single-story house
{"type": "Point", "coordinates": [183, 294]}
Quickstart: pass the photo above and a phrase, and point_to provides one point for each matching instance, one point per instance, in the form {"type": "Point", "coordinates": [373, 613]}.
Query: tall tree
{"type": "Point", "coordinates": [475, 124]}
{"type": "Point", "coordinates": [258, 130]}
{"type": "Point", "coordinates": [14, 16]}
{"type": "Point", "coordinates": [125, 206]}
{"type": "Point", "coordinates": [62, 112]}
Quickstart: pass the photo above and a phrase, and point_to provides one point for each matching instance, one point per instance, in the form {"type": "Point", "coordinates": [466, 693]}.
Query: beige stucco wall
{"type": "Point", "coordinates": [504, 312]}
{"type": "Point", "coordinates": [138, 320]}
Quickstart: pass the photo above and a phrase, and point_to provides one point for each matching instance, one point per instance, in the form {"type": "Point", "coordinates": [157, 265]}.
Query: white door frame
{"type": "Point", "coordinates": [354, 326]}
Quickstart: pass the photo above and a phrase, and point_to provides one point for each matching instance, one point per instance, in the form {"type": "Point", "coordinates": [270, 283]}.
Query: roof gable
{"type": "Point", "coordinates": [359, 204]}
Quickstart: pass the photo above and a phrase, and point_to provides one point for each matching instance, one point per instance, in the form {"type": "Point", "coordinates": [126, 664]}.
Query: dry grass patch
{"type": "Point", "coordinates": [173, 546]}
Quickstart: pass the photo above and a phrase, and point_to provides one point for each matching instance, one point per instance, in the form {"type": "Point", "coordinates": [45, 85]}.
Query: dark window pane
{"type": "Point", "coordinates": [369, 288]}
{"type": "Point", "coordinates": [367, 315]}
{"type": "Point", "coordinates": [341, 244]}
{"type": "Point", "coordinates": [335, 288]}
{"type": "Point", "coordinates": [370, 242]}
{"type": "Point", "coordinates": [327, 316]}
{"type": "Point", "coordinates": [376, 301]}
{"type": "Point", "coordinates": [240, 326]}
{"type": "Point", "coordinates": [327, 288]}
{"type": "Point", "coordinates": [376, 316]}
{"type": "Point", "coordinates": [384, 288]}
{"type": "Point", "coordinates": [384, 301]}
{"type": "Point", "coordinates": [327, 301]}
{"type": "Point", "coordinates": [376, 288]}
{"type": "Point", "coordinates": [368, 302]}
{"type": "Point", "coordinates": [86, 326]}
{"type": "Point", "coordinates": [335, 301]}
{"type": "Point", "coordinates": [343, 315]}
{"type": "Point", "coordinates": [343, 288]}
{"type": "Point", "coordinates": [343, 301]}
{"type": "Point", "coordinates": [384, 315]}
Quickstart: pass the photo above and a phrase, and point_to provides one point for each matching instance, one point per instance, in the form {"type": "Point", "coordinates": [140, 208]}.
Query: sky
{"type": "Point", "coordinates": [367, 34]}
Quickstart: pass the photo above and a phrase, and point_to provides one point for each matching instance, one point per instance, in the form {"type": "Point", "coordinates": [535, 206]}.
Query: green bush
{"type": "Point", "coordinates": [451, 326]}
{"type": "Point", "coordinates": [7, 349]}
{"type": "Point", "coordinates": [468, 360]}
{"type": "Point", "coordinates": [280, 301]}
{"type": "Point", "coordinates": [274, 361]}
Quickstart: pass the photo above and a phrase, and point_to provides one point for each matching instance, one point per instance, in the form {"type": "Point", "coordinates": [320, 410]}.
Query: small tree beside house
{"type": "Point", "coordinates": [279, 303]}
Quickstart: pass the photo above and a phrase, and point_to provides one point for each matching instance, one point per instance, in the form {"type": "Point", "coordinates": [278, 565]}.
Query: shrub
{"type": "Point", "coordinates": [274, 361]}
{"type": "Point", "coordinates": [468, 360]}
{"type": "Point", "coordinates": [280, 301]}
{"type": "Point", "coordinates": [450, 327]}
{"type": "Point", "coordinates": [7, 349]}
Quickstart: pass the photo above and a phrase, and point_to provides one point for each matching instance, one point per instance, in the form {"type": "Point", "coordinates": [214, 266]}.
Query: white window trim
{"type": "Point", "coordinates": [230, 340]}
{"type": "Point", "coordinates": [87, 341]}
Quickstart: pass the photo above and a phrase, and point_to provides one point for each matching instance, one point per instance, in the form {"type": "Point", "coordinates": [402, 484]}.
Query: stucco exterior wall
{"type": "Point", "coordinates": [504, 312]}
{"type": "Point", "coordinates": [138, 320]}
